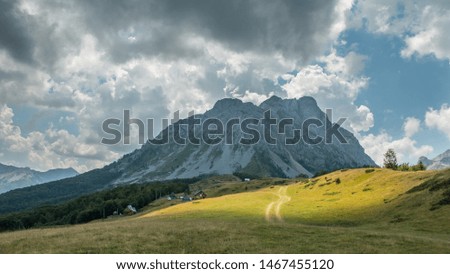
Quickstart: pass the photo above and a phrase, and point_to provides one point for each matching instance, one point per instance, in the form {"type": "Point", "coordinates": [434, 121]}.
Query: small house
{"type": "Point", "coordinates": [246, 179]}
{"type": "Point", "coordinates": [186, 198]}
{"type": "Point", "coordinates": [171, 197]}
{"type": "Point", "coordinates": [131, 209]}
{"type": "Point", "coordinates": [200, 194]}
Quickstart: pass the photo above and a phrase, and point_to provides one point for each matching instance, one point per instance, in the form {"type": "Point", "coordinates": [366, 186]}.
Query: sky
{"type": "Point", "coordinates": [66, 66]}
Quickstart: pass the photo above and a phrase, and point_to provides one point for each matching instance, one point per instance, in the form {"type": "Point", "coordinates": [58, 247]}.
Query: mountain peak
{"type": "Point", "coordinates": [273, 100]}
{"type": "Point", "coordinates": [263, 158]}
{"type": "Point", "coordinates": [69, 169]}
{"type": "Point", "coordinates": [12, 177]}
{"type": "Point", "coordinates": [307, 101]}
{"type": "Point", "coordinates": [442, 161]}
{"type": "Point", "coordinates": [443, 156]}
{"type": "Point", "coordinates": [226, 103]}
{"type": "Point", "coordinates": [231, 107]}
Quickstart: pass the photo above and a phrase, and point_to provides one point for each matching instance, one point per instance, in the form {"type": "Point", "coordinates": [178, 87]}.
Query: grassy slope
{"type": "Point", "coordinates": [364, 213]}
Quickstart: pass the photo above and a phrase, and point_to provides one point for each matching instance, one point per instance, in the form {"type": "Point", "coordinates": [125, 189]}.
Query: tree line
{"type": "Point", "coordinates": [390, 161]}
{"type": "Point", "coordinates": [93, 206]}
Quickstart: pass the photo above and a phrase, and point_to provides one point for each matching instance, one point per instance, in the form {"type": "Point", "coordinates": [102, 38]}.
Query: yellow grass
{"type": "Point", "coordinates": [364, 213]}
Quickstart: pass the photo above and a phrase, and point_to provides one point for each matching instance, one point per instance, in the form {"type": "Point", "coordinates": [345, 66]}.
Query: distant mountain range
{"type": "Point", "coordinates": [19, 177]}
{"type": "Point", "coordinates": [273, 154]}
{"type": "Point", "coordinates": [442, 161]}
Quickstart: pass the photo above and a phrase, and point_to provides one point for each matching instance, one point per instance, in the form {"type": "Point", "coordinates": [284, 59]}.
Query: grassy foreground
{"type": "Point", "coordinates": [352, 211]}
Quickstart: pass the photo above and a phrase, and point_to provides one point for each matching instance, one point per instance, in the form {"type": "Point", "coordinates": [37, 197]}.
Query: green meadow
{"type": "Point", "coordinates": [347, 211]}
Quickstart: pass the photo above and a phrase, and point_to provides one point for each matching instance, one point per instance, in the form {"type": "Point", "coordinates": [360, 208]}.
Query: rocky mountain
{"type": "Point", "coordinates": [232, 137]}
{"type": "Point", "coordinates": [262, 158]}
{"type": "Point", "coordinates": [19, 177]}
{"type": "Point", "coordinates": [442, 161]}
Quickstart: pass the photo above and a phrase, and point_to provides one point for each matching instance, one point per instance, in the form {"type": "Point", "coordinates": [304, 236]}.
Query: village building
{"type": "Point", "coordinates": [171, 197]}
{"type": "Point", "coordinates": [200, 194]}
{"type": "Point", "coordinates": [130, 210]}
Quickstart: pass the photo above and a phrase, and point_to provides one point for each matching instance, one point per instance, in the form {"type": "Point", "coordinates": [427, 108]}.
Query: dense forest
{"type": "Point", "coordinates": [93, 206]}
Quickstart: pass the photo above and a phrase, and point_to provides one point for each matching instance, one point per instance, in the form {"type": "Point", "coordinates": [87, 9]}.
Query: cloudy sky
{"type": "Point", "coordinates": [68, 65]}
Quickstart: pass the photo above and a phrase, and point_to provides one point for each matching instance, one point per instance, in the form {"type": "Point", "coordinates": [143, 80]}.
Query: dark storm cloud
{"type": "Point", "coordinates": [296, 29]}
{"type": "Point", "coordinates": [8, 76]}
{"type": "Point", "coordinates": [14, 34]}
{"type": "Point", "coordinates": [286, 26]}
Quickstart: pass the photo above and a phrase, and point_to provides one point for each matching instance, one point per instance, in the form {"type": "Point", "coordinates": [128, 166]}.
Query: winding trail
{"type": "Point", "coordinates": [273, 214]}
{"type": "Point", "coordinates": [273, 209]}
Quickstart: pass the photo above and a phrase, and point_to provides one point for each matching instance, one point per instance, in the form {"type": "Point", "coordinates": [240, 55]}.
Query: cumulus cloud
{"type": "Point", "coordinates": [50, 149]}
{"type": "Point", "coordinates": [422, 25]}
{"type": "Point", "coordinates": [406, 147]}
{"type": "Point", "coordinates": [335, 85]}
{"type": "Point", "coordinates": [431, 38]}
{"type": "Point", "coordinates": [439, 119]}
{"type": "Point", "coordinates": [92, 59]}
{"type": "Point", "coordinates": [411, 126]}
{"type": "Point", "coordinates": [350, 65]}
{"type": "Point", "coordinates": [407, 150]}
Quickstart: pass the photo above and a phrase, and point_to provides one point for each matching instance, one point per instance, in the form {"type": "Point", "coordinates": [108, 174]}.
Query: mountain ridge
{"type": "Point", "coordinates": [12, 177]}
{"type": "Point", "coordinates": [172, 160]}
{"type": "Point", "coordinates": [289, 161]}
{"type": "Point", "coordinates": [442, 161]}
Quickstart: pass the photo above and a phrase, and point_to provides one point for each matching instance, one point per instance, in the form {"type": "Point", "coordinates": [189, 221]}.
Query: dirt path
{"type": "Point", "coordinates": [273, 214]}
{"type": "Point", "coordinates": [273, 209]}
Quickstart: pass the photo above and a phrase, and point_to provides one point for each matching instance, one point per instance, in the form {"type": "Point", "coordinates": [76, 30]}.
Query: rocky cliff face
{"type": "Point", "coordinates": [275, 153]}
